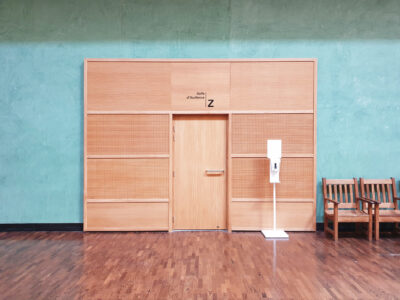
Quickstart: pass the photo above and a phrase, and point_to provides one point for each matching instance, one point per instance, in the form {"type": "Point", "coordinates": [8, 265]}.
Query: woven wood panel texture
{"type": "Point", "coordinates": [272, 85]}
{"type": "Point", "coordinates": [251, 132]}
{"type": "Point", "coordinates": [127, 134]}
{"type": "Point", "coordinates": [127, 178]}
{"type": "Point", "coordinates": [128, 86]}
{"type": "Point", "coordinates": [250, 178]}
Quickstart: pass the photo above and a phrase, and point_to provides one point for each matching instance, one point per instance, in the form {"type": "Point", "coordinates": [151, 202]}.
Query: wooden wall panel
{"type": "Point", "coordinates": [259, 215]}
{"type": "Point", "coordinates": [127, 134]}
{"type": "Point", "coordinates": [129, 106]}
{"type": "Point", "coordinates": [272, 85]}
{"type": "Point", "coordinates": [127, 178]}
{"type": "Point", "coordinates": [127, 216]}
{"type": "Point", "coordinates": [128, 86]}
{"type": "Point", "coordinates": [250, 133]}
{"type": "Point", "coordinates": [250, 178]}
{"type": "Point", "coordinates": [203, 81]}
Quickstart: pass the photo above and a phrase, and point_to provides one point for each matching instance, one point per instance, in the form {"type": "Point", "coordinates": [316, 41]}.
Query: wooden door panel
{"type": "Point", "coordinates": [200, 198]}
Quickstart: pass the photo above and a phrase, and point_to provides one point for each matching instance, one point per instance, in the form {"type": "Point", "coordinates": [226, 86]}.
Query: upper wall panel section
{"type": "Point", "coordinates": [128, 85]}
{"type": "Point", "coordinates": [272, 86]}
{"type": "Point", "coordinates": [195, 85]}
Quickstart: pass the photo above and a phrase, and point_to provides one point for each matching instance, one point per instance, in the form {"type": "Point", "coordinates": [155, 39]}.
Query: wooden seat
{"type": "Point", "coordinates": [342, 205]}
{"type": "Point", "coordinates": [383, 191]}
{"type": "Point", "coordinates": [349, 216]}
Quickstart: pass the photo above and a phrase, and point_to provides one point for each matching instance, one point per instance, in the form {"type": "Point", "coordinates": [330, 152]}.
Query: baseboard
{"type": "Point", "coordinates": [345, 227]}
{"type": "Point", "coordinates": [42, 227]}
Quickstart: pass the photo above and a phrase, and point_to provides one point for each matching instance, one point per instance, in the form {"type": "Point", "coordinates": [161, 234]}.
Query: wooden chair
{"type": "Point", "coordinates": [342, 205]}
{"type": "Point", "coordinates": [383, 191]}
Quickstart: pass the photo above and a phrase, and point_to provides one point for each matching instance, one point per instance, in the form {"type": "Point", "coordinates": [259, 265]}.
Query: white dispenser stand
{"type": "Point", "coordinates": [274, 149]}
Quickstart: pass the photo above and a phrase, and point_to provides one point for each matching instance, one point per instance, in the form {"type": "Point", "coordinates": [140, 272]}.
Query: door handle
{"type": "Point", "coordinates": [214, 172]}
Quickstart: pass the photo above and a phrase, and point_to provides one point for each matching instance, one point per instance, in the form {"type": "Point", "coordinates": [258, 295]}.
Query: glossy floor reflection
{"type": "Point", "coordinates": [195, 265]}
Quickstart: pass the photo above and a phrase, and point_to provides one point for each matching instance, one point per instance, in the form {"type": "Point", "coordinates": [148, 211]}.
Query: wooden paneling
{"type": "Point", "coordinates": [128, 85]}
{"type": "Point", "coordinates": [272, 85]}
{"type": "Point", "coordinates": [200, 195]}
{"type": "Point", "coordinates": [129, 154]}
{"type": "Point", "coordinates": [127, 216]}
{"type": "Point", "coordinates": [127, 134]}
{"type": "Point", "coordinates": [194, 84]}
{"type": "Point", "coordinates": [258, 215]}
{"type": "Point", "coordinates": [251, 178]}
{"type": "Point", "coordinates": [127, 178]}
{"type": "Point", "coordinates": [250, 132]}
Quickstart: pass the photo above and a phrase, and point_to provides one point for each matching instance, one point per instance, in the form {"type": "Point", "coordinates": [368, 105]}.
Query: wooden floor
{"type": "Point", "coordinates": [195, 265]}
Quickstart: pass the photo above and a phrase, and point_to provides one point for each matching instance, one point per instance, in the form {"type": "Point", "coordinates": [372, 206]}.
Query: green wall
{"type": "Point", "coordinates": [43, 44]}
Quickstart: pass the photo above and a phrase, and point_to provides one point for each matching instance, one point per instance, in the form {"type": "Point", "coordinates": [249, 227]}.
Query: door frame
{"type": "Point", "coordinates": [228, 181]}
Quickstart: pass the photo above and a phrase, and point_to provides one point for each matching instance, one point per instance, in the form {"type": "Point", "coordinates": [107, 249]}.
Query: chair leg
{"type": "Point", "coordinates": [336, 230]}
{"type": "Point", "coordinates": [325, 225]}
{"type": "Point", "coordinates": [376, 223]}
{"type": "Point", "coordinates": [370, 230]}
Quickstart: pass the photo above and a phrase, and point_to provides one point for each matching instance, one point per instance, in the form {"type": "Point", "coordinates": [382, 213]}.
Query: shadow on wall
{"type": "Point", "coordinates": [154, 20]}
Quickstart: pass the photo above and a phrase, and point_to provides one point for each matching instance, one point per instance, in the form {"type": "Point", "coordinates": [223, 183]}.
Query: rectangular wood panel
{"type": "Point", "coordinates": [272, 85]}
{"type": "Point", "coordinates": [200, 172]}
{"type": "Point", "coordinates": [259, 215]}
{"type": "Point", "coordinates": [128, 86]}
{"type": "Point", "coordinates": [127, 178]}
{"type": "Point", "coordinates": [127, 134]}
{"type": "Point", "coordinates": [127, 216]}
{"type": "Point", "coordinates": [194, 84]}
{"type": "Point", "coordinates": [250, 178]}
{"type": "Point", "coordinates": [250, 132]}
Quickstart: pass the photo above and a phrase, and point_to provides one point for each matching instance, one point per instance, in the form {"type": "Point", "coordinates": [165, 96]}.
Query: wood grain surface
{"type": "Point", "coordinates": [196, 265]}
{"type": "Point", "coordinates": [200, 196]}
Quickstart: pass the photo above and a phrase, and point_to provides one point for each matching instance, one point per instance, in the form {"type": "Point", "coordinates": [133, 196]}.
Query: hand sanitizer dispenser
{"type": "Point", "coordinates": [274, 153]}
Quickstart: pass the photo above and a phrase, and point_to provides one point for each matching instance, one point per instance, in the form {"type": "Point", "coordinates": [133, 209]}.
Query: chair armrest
{"type": "Point", "coordinates": [331, 200]}
{"type": "Point", "coordinates": [397, 198]}
{"type": "Point", "coordinates": [368, 200]}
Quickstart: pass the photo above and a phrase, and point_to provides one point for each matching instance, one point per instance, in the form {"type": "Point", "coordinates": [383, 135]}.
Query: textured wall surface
{"type": "Point", "coordinates": [43, 44]}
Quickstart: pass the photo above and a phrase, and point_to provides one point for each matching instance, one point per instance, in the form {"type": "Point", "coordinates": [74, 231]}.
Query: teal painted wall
{"type": "Point", "coordinates": [43, 44]}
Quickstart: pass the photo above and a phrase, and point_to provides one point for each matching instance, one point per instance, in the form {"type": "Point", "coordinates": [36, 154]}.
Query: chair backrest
{"type": "Point", "coordinates": [382, 190]}
{"type": "Point", "coordinates": [344, 191]}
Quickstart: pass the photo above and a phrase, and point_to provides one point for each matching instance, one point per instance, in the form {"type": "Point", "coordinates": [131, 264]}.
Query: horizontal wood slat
{"type": "Point", "coordinates": [128, 86]}
{"type": "Point", "coordinates": [288, 200]}
{"type": "Point", "coordinates": [195, 112]}
{"type": "Point", "coordinates": [250, 178]}
{"type": "Point", "coordinates": [127, 178]}
{"type": "Point", "coordinates": [272, 85]}
{"type": "Point", "coordinates": [263, 155]}
{"type": "Point", "coordinates": [146, 200]}
{"type": "Point", "coordinates": [377, 181]}
{"type": "Point", "coordinates": [259, 215]}
{"type": "Point", "coordinates": [250, 132]}
{"type": "Point", "coordinates": [127, 134]}
{"type": "Point", "coordinates": [131, 156]}
{"type": "Point", "coordinates": [127, 216]}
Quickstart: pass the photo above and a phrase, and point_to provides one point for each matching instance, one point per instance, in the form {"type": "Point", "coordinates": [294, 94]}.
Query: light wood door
{"type": "Point", "coordinates": [200, 172]}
